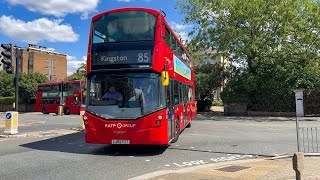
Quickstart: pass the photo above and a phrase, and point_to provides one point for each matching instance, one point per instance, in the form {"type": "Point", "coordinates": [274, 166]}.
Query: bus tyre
{"type": "Point", "coordinates": [176, 131]}
{"type": "Point", "coordinates": [44, 111]}
{"type": "Point", "coordinates": [189, 125]}
{"type": "Point", "coordinates": [66, 111]}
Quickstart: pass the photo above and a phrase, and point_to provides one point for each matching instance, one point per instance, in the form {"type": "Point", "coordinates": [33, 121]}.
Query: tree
{"type": "Point", "coordinates": [256, 32]}
{"type": "Point", "coordinates": [6, 84]}
{"type": "Point", "coordinates": [274, 46]}
{"type": "Point", "coordinates": [79, 74]}
{"type": "Point", "coordinates": [28, 85]}
{"type": "Point", "coordinates": [208, 77]}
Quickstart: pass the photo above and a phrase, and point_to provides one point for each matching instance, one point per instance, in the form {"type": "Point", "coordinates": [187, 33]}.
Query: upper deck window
{"type": "Point", "coordinates": [124, 26]}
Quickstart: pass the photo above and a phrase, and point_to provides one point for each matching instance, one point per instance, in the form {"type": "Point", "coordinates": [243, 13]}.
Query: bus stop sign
{"type": "Point", "coordinates": [8, 115]}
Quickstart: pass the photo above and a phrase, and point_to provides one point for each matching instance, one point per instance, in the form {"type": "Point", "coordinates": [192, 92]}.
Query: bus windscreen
{"type": "Point", "coordinates": [124, 26]}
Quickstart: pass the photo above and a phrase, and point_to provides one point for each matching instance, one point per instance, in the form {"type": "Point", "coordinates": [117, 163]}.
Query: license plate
{"type": "Point", "coordinates": [119, 141]}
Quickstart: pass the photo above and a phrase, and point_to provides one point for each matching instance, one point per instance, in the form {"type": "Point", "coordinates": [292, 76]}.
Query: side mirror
{"type": "Point", "coordinates": [165, 78]}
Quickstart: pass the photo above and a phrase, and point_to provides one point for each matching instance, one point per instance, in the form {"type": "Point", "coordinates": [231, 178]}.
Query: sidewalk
{"type": "Point", "coordinates": [263, 169]}
{"type": "Point", "coordinates": [37, 124]}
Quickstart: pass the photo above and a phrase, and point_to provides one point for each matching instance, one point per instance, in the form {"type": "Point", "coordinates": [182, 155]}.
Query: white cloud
{"type": "Point", "coordinates": [74, 63]}
{"type": "Point", "coordinates": [37, 30]}
{"type": "Point", "coordinates": [51, 49]}
{"type": "Point", "coordinates": [58, 8]}
{"type": "Point", "coordinates": [132, 0]}
{"type": "Point", "coordinates": [177, 26]}
{"type": "Point", "coordinates": [179, 30]}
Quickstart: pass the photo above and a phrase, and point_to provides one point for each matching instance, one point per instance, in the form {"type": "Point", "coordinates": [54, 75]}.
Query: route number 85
{"type": "Point", "coordinates": [143, 57]}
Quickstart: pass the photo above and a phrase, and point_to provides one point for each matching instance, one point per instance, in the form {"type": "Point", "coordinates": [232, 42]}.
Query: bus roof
{"type": "Point", "coordinates": [151, 11]}
{"type": "Point", "coordinates": [55, 83]}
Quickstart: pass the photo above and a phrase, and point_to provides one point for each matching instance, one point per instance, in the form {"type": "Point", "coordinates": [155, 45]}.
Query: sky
{"type": "Point", "coordinates": [63, 25]}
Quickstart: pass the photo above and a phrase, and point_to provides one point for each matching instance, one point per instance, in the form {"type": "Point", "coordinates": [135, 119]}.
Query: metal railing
{"type": "Point", "coordinates": [310, 139]}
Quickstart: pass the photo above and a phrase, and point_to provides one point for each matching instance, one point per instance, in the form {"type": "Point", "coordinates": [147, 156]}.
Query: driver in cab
{"type": "Point", "coordinates": [112, 94]}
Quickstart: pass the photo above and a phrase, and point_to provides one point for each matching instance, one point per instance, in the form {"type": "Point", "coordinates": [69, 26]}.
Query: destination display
{"type": "Point", "coordinates": [122, 57]}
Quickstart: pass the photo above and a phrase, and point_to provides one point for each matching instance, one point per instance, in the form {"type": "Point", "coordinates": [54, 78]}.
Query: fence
{"type": "Point", "coordinates": [22, 107]}
{"type": "Point", "coordinates": [309, 139]}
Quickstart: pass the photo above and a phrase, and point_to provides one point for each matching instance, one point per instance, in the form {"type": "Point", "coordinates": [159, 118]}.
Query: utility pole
{"type": "Point", "coordinates": [18, 60]}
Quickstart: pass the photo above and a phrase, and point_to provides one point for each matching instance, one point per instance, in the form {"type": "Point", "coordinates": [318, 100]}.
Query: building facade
{"type": "Point", "coordinates": [42, 60]}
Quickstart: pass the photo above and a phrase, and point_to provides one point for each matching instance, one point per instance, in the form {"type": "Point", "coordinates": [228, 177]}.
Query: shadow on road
{"type": "Point", "coordinates": [75, 143]}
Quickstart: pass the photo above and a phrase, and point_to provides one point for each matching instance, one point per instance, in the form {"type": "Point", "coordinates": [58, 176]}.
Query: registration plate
{"type": "Point", "coordinates": [120, 141]}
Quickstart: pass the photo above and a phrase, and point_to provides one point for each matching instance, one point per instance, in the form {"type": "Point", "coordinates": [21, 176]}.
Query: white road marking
{"type": "Point", "coordinates": [211, 160]}
{"type": "Point", "coordinates": [167, 165]}
{"type": "Point", "coordinates": [147, 160]}
{"type": "Point", "coordinates": [191, 147]}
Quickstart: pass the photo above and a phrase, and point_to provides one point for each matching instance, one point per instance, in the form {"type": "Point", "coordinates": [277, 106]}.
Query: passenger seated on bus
{"type": "Point", "coordinates": [112, 94]}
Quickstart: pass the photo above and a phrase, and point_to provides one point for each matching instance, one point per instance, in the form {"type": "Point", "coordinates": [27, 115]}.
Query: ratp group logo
{"type": "Point", "coordinates": [120, 125]}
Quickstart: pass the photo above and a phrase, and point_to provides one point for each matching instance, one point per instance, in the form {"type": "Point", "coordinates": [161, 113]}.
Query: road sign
{"type": "Point", "coordinates": [8, 115]}
{"type": "Point", "coordinates": [11, 123]}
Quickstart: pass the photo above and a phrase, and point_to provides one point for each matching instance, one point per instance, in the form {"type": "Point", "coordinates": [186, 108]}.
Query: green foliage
{"type": "Point", "coordinates": [274, 45]}
{"type": "Point", "coordinates": [6, 84]}
{"type": "Point", "coordinates": [311, 101]}
{"type": "Point", "coordinates": [76, 76]}
{"type": "Point", "coordinates": [28, 85]}
{"type": "Point", "coordinates": [207, 78]}
{"type": "Point", "coordinates": [256, 32]}
{"type": "Point", "coordinates": [7, 100]}
{"type": "Point", "coordinates": [79, 74]}
{"type": "Point", "coordinates": [217, 103]}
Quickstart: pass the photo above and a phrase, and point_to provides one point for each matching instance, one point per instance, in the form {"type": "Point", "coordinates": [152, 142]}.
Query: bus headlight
{"type": "Point", "coordinates": [85, 117]}
{"type": "Point", "coordinates": [159, 117]}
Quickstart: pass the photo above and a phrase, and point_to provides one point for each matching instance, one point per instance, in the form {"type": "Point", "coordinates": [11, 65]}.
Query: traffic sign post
{"type": "Point", "coordinates": [11, 122]}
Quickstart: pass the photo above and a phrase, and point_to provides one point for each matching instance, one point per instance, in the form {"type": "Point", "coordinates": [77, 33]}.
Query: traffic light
{"type": "Point", "coordinates": [7, 57]}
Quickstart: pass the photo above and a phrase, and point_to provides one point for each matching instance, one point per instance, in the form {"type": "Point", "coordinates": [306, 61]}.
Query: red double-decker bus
{"type": "Point", "coordinates": [70, 95]}
{"type": "Point", "coordinates": [140, 81]}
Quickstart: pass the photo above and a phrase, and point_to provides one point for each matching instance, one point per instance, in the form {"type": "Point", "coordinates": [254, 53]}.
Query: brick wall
{"type": "Point", "coordinates": [41, 63]}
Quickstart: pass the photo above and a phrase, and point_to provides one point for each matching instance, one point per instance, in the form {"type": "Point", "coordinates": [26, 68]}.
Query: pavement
{"type": "Point", "coordinates": [35, 124]}
{"type": "Point", "coordinates": [262, 169]}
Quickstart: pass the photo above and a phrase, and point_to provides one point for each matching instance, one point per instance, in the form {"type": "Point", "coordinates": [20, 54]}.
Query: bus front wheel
{"type": "Point", "coordinates": [44, 111]}
{"type": "Point", "coordinates": [66, 111]}
{"type": "Point", "coordinates": [176, 131]}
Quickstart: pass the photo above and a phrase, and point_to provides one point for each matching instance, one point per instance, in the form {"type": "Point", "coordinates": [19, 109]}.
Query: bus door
{"type": "Point", "coordinates": [73, 104]}
{"type": "Point", "coordinates": [170, 109]}
{"type": "Point", "coordinates": [185, 104]}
